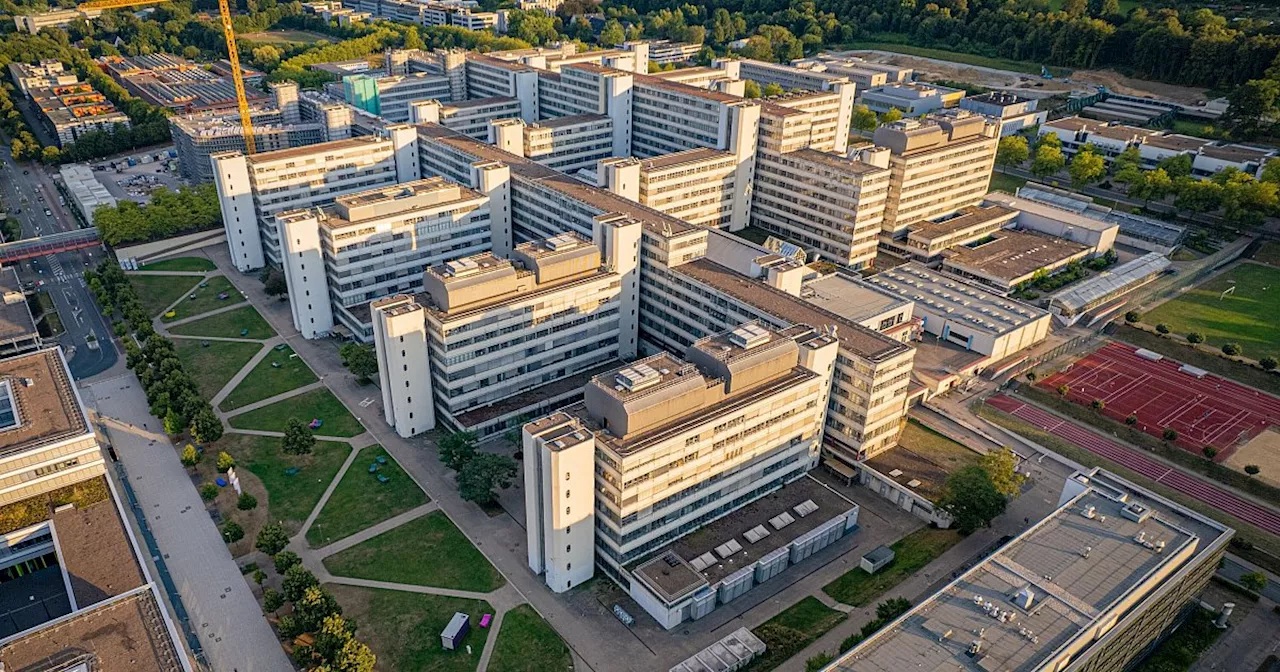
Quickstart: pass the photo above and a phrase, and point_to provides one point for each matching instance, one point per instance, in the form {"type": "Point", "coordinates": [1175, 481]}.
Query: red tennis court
{"type": "Point", "coordinates": [1204, 409]}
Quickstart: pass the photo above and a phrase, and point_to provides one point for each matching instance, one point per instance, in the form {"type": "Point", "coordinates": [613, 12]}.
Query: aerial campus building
{"type": "Point", "coordinates": [1092, 587]}
{"type": "Point", "coordinates": [77, 590]}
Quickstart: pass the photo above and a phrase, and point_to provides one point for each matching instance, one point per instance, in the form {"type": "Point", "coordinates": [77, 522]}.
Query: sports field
{"type": "Point", "coordinates": [1245, 315]}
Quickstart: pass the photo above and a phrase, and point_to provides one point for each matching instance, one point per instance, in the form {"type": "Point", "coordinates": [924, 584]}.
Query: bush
{"type": "Point", "coordinates": [208, 492]}
{"type": "Point", "coordinates": [272, 539]}
{"type": "Point", "coordinates": [1195, 337]}
{"type": "Point", "coordinates": [296, 582]}
{"type": "Point", "coordinates": [1170, 434]}
{"type": "Point", "coordinates": [1098, 404]}
{"type": "Point", "coordinates": [225, 461]}
{"type": "Point", "coordinates": [272, 600]}
{"type": "Point", "coordinates": [1063, 390]}
{"type": "Point", "coordinates": [284, 560]}
{"type": "Point", "coordinates": [1268, 363]}
{"type": "Point", "coordinates": [247, 502]}
{"type": "Point", "coordinates": [1209, 452]}
{"type": "Point", "coordinates": [1232, 349]}
{"type": "Point", "coordinates": [1252, 469]}
{"type": "Point", "coordinates": [232, 532]}
{"type": "Point", "coordinates": [1031, 376]}
{"type": "Point", "coordinates": [289, 627]}
{"type": "Point", "coordinates": [1163, 328]}
{"type": "Point", "coordinates": [1132, 316]}
{"type": "Point", "coordinates": [818, 662]}
{"type": "Point", "coordinates": [1131, 420]}
{"type": "Point", "coordinates": [190, 456]}
{"type": "Point", "coordinates": [259, 576]}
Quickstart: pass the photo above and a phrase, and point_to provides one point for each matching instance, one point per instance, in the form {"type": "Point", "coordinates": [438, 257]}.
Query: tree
{"type": "Point", "coordinates": [1131, 419]}
{"type": "Point", "coordinates": [266, 57]}
{"type": "Point", "coordinates": [1267, 363]}
{"type": "Point", "coordinates": [1132, 316]}
{"type": "Point", "coordinates": [1252, 469]}
{"type": "Point", "coordinates": [1129, 158]}
{"type": "Point", "coordinates": [337, 646]}
{"type": "Point", "coordinates": [1197, 195]}
{"type": "Point", "coordinates": [272, 539]}
{"type": "Point", "coordinates": [1251, 108]}
{"type": "Point", "coordinates": [1002, 468]}
{"type": "Point", "coordinates": [173, 422]}
{"type": "Point", "coordinates": [1129, 176]}
{"type": "Point", "coordinates": [225, 462]}
{"type": "Point", "coordinates": [247, 502]}
{"type": "Point", "coordinates": [482, 473]}
{"type": "Point", "coordinates": [272, 600]}
{"type": "Point", "coordinates": [1063, 390]}
{"type": "Point", "coordinates": [1154, 185]}
{"type": "Point", "coordinates": [190, 456]}
{"type": "Point", "coordinates": [208, 492]}
{"type": "Point", "coordinates": [1170, 434]}
{"type": "Point", "coordinates": [298, 439]}
{"type": "Point", "coordinates": [751, 89]}
{"type": "Point", "coordinates": [1087, 166]}
{"type": "Point", "coordinates": [274, 284]}
{"type": "Point", "coordinates": [1075, 8]}
{"type": "Point", "coordinates": [284, 560]}
{"type": "Point", "coordinates": [533, 27]}
{"type": "Point", "coordinates": [1163, 328]}
{"type": "Point", "coordinates": [971, 499]}
{"type": "Point", "coordinates": [314, 606]}
{"type": "Point", "coordinates": [1098, 405]}
{"type": "Point", "coordinates": [1271, 171]}
{"type": "Point", "coordinates": [1176, 166]}
{"type": "Point", "coordinates": [1195, 337]}
{"type": "Point", "coordinates": [1048, 160]}
{"type": "Point", "coordinates": [359, 359]}
{"type": "Point", "coordinates": [205, 425]}
{"type": "Point", "coordinates": [1012, 151]}
{"type": "Point", "coordinates": [456, 449]}
{"type": "Point", "coordinates": [612, 35]}
{"type": "Point", "coordinates": [297, 579]}
{"type": "Point", "coordinates": [232, 532]}
{"type": "Point", "coordinates": [1255, 581]}
{"type": "Point", "coordinates": [1209, 451]}
{"type": "Point", "coordinates": [772, 89]}
{"type": "Point", "coordinates": [892, 115]}
{"type": "Point", "coordinates": [864, 119]}
{"type": "Point", "coordinates": [892, 608]}
{"type": "Point", "coordinates": [1232, 349]}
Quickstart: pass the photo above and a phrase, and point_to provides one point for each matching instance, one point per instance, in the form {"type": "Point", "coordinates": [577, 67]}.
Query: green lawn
{"type": "Point", "coordinates": [403, 629]}
{"type": "Point", "coordinates": [1006, 183]}
{"type": "Point", "coordinates": [1199, 129]}
{"type": "Point", "coordinates": [314, 404]}
{"type": "Point", "coordinates": [229, 325]}
{"type": "Point", "coordinates": [204, 299]}
{"type": "Point", "coordinates": [1247, 316]}
{"type": "Point", "coordinates": [527, 643]}
{"type": "Point", "coordinates": [212, 367]}
{"type": "Point", "coordinates": [428, 551]}
{"type": "Point", "coordinates": [181, 264]}
{"type": "Point", "coordinates": [360, 500]}
{"type": "Point", "coordinates": [266, 381]}
{"type": "Point", "coordinates": [1268, 254]}
{"type": "Point", "coordinates": [792, 630]}
{"type": "Point", "coordinates": [858, 588]}
{"type": "Point", "coordinates": [156, 292]}
{"type": "Point", "coordinates": [290, 497]}
{"type": "Point", "coordinates": [283, 37]}
{"type": "Point", "coordinates": [957, 57]}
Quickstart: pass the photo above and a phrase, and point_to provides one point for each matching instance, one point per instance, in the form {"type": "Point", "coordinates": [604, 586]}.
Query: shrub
{"type": "Point", "coordinates": [259, 576]}
{"type": "Point", "coordinates": [190, 456]}
{"type": "Point", "coordinates": [1163, 328]}
{"type": "Point", "coordinates": [1170, 434]}
{"type": "Point", "coordinates": [1268, 363]}
{"type": "Point", "coordinates": [1063, 390]}
{"type": "Point", "coordinates": [1031, 376]}
{"type": "Point", "coordinates": [818, 662]}
{"type": "Point", "coordinates": [225, 461]}
{"type": "Point", "coordinates": [284, 560]}
{"type": "Point", "coordinates": [1098, 404]}
{"type": "Point", "coordinates": [1209, 452]}
{"type": "Point", "coordinates": [247, 502]}
{"type": "Point", "coordinates": [208, 492]}
{"type": "Point", "coordinates": [1131, 420]}
{"type": "Point", "coordinates": [1195, 337]}
{"type": "Point", "coordinates": [1255, 581]}
{"type": "Point", "coordinates": [1252, 469]}
{"type": "Point", "coordinates": [1232, 349]}
{"type": "Point", "coordinates": [272, 539]}
{"type": "Point", "coordinates": [232, 532]}
{"type": "Point", "coordinates": [289, 627]}
{"type": "Point", "coordinates": [1132, 316]}
{"type": "Point", "coordinates": [296, 582]}
{"type": "Point", "coordinates": [272, 600]}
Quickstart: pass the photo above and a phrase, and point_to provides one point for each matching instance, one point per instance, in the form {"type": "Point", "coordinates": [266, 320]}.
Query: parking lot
{"type": "Point", "coordinates": [135, 183]}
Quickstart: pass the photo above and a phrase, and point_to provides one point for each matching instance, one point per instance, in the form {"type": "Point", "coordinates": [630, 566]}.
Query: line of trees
{"type": "Point", "coordinates": [169, 213]}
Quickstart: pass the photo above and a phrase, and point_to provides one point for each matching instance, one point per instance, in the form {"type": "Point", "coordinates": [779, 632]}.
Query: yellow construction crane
{"type": "Point", "coordinates": [233, 55]}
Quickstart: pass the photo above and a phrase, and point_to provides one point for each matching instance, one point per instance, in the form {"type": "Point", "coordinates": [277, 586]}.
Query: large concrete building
{"type": "Point", "coordinates": [391, 96]}
{"type": "Point", "coordinates": [371, 244]}
{"type": "Point", "coordinates": [1090, 588]}
{"type": "Point", "coordinates": [677, 444]}
{"type": "Point", "coordinates": [68, 107]}
{"type": "Point", "coordinates": [18, 332]}
{"type": "Point", "coordinates": [174, 83]}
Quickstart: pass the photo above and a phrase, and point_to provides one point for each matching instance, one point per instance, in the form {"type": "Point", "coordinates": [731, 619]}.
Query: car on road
{"type": "Point", "coordinates": [26, 172]}
{"type": "Point", "coordinates": [48, 212]}
{"type": "Point", "coordinates": [40, 198]}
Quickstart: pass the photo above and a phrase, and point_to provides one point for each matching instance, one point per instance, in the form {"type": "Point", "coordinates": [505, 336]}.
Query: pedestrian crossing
{"type": "Point", "coordinates": [55, 268]}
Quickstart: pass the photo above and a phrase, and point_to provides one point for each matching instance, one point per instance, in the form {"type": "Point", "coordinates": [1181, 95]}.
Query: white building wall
{"type": "Point", "coordinates": [400, 341]}
{"type": "Point", "coordinates": [304, 271]}
{"type": "Point", "coordinates": [559, 501]}
{"type": "Point", "coordinates": [619, 243]}
{"type": "Point", "coordinates": [239, 216]}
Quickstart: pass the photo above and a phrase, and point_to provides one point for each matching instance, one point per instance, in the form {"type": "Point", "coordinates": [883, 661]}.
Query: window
{"type": "Point", "coordinates": [567, 474]}
{"type": "Point", "coordinates": [566, 510]}
{"type": "Point", "coordinates": [566, 494]}
{"type": "Point", "coordinates": [568, 548]}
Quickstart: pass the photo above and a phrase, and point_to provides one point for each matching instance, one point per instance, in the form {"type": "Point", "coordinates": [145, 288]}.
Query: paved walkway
{"type": "Point", "coordinates": [309, 387]}
{"type": "Point", "coordinates": [201, 316]}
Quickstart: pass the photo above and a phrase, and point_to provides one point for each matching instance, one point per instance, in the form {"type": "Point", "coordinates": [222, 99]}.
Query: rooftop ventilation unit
{"type": "Point", "coordinates": [728, 548]}
{"type": "Point", "coordinates": [461, 267]}
{"type": "Point", "coordinates": [563, 241]}
{"type": "Point", "coordinates": [638, 377]}
{"type": "Point", "coordinates": [805, 508]}
{"type": "Point", "coordinates": [749, 336]}
{"type": "Point", "coordinates": [756, 533]}
{"type": "Point", "coordinates": [781, 520]}
{"type": "Point", "coordinates": [1136, 512]}
{"type": "Point", "coordinates": [1024, 598]}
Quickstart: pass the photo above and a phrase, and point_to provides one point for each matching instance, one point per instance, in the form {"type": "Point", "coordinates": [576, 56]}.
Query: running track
{"type": "Point", "coordinates": [1263, 517]}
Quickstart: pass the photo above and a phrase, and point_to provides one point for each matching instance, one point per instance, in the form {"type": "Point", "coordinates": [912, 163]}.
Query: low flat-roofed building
{"type": "Point", "coordinates": [929, 239]}
{"type": "Point", "coordinates": [1014, 113]}
{"type": "Point", "coordinates": [18, 331]}
{"type": "Point", "coordinates": [850, 297]}
{"type": "Point", "coordinates": [1213, 159]}
{"type": "Point", "coordinates": [173, 82]}
{"type": "Point", "coordinates": [963, 313]}
{"type": "Point", "coordinates": [1137, 231]}
{"type": "Point", "coordinates": [468, 117]}
{"type": "Point", "coordinates": [1099, 234]}
{"type": "Point", "coordinates": [1084, 590]}
{"type": "Point", "coordinates": [1073, 303]}
{"type": "Point", "coordinates": [912, 99]}
{"type": "Point", "coordinates": [1009, 258]}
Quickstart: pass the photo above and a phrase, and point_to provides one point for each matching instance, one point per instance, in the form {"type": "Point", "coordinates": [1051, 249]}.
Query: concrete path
{"type": "Point", "coordinates": [371, 532]}
{"type": "Point", "coordinates": [224, 339]}
{"type": "Point", "coordinates": [223, 609]}
{"type": "Point", "coordinates": [241, 374]}
{"type": "Point", "coordinates": [324, 499]}
{"type": "Point", "coordinates": [489, 644]}
{"type": "Point", "coordinates": [309, 387]}
{"type": "Point", "coordinates": [201, 316]}
{"type": "Point", "coordinates": [194, 274]}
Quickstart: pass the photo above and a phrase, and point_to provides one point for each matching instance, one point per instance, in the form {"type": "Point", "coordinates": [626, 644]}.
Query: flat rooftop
{"type": "Point", "coordinates": [362, 142]}
{"type": "Point", "coordinates": [966, 218]}
{"type": "Point", "coordinates": [850, 297]}
{"type": "Point", "coordinates": [689, 156]}
{"type": "Point", "coordinates": [1052, 584]}
{"type": "Point", "coordinates": [684, 576]}
{"type": "Point", "coordinates": [531, 396]}
{"type": "Point", "coordinates": [1013, 254]}
{"type": "Point", "coordinates": [864, 342]}
{"type": "Point", "coordinates": [1237, 153]}
{"type": "Point", "coordinates": [46, 410]}
{"type": "Point", "coordinates": [1181, 143]}
{"type": "Point", "coordinates": [939, 291]}
{"type": "Point", "coordinates": [1137, 226]}
{"type": "Point", "coordinates": [16, 321]}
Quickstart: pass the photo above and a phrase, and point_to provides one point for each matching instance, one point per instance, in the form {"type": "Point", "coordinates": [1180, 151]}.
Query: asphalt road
{"type": "Point", "coordinates": [22, 187]}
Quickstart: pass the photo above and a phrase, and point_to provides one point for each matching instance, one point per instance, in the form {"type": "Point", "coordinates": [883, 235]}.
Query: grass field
{"type": "Point", "coordinates": [1198, 129]}
{"type": "Point", "coordinates": [229, 325]}
{"type": "Point", "coordinates": [912, 552]}
{"type": "Point", "coordinates": [214, 366]}
{"type": "Point", "coordinates": [181, 264]}
{"type": "Point", "coordinates": [957, 57]}
{"type": "Point", "coordinates": [283, 36]}
{"type": "Point", "coordinates": [1247, 316]}
{"type": "Point", "coordinates": [290, 497]}
{"type": "Point", "coordinates": [360, 500]}
{"type": "Point", "coordinates": [790, 631]}
{"type": "Point", "coordinates": [1268, 254]}
{"type": "Point", "coordinates": [204, 299]}
{"type": "Point", "coordinates": [314, 404]}
{"type": "Point", "coordinates": [266, 381]}
{"type": "Point", "coordinates": [1006, 183]}
{"type": "Point", "coordinates": [527, 643]}
{"type": "Point", "coordinates": [428, 551]}
{"type": "Point", "coordinates": [403, 629]}
{"type": "Point", "coordinates": [156, 292]}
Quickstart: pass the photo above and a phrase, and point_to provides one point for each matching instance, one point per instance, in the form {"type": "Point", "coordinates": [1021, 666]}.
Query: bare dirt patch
{"type": "Point", "coordinates": [1264, 451]}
